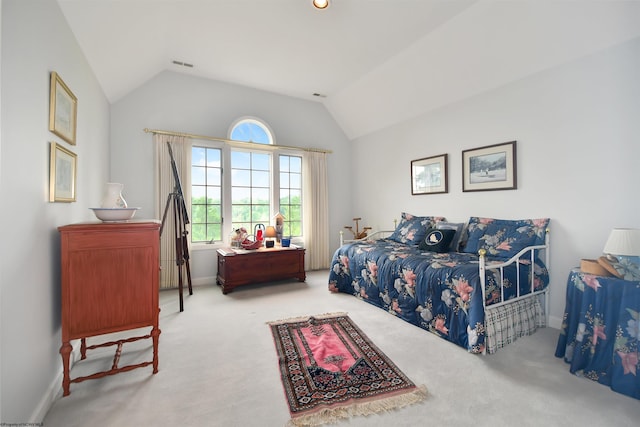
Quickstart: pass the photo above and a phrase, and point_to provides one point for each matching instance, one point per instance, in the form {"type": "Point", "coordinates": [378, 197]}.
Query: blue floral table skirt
{"type": "Point", "coordinates": [601, 330]}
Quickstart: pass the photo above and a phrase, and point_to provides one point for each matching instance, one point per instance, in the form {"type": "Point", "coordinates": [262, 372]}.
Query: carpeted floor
{"type": "Point", "coordinates": [218, 367]}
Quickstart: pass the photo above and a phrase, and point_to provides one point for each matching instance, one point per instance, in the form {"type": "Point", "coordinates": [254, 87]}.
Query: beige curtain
{"type": "Point", "coordinates": [165, 187]}
{"type": "Point", "coordinates": [315, 211]}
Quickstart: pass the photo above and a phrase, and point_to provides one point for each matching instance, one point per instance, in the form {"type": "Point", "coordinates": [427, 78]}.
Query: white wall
{"type": "Point", "coordinates": [578, 150]}
{"type": "Point", "coordinates": [183, 103]}
{"type": "Point", "coordinates": [35, 41]}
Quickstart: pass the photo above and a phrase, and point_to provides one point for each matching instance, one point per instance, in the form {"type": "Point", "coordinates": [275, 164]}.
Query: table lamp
{"type": "Point", "coordinates": [270, 234]}
{"type": "Point", "coordinates": [622, 253]}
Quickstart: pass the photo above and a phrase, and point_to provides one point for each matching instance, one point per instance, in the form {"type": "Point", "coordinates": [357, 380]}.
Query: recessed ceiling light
{"type": "Point", "coordinates": [320, 4]}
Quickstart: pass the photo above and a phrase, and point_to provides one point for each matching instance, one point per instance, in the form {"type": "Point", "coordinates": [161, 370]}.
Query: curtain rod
{"type": "Point", "coordinates": [232, 142]}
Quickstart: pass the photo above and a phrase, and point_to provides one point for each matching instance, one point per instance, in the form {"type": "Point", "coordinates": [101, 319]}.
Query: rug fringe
{"type": "Point", "coordinates": [332, 415]}
{"type": "Point", "coordinates": [303, 318]}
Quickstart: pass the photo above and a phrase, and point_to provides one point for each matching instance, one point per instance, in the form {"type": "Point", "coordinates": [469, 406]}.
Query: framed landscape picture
{"type": "Point", "coordinates": [429, 175]}
{"type": "Point", "coordinates": [63, 107]}
{"type": "Point", "coordinates": [492, 167]}
{"type": "Point", "coordinates": [62, 174]}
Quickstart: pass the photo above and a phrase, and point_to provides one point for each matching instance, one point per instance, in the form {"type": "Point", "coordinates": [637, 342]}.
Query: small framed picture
{"type": "Point", "coordinates": [492, 167]}
{"type": "Point", "coordinates": [62, 174]}
{"type": "Point", "coordinates": [429, 175]}
{"type": "Point", "coordinates": [63, 107]}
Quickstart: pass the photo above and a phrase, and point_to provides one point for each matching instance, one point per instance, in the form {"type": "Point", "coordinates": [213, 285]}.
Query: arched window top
{"type": "Point", "coordinates": [251, 129]}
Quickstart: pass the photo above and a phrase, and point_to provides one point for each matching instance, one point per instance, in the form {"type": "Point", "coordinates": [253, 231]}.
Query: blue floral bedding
{"type": "Point", "coordinates": [439, 292]}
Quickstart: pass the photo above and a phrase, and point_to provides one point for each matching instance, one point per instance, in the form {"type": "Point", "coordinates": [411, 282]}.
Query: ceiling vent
{"type": "Point", "coordinates": [183, 64]}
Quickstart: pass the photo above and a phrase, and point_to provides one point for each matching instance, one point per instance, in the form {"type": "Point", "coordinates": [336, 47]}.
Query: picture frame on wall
{"type": "Point", "coordinates": [429, 175]}
{"type": "Point", "coordinates": [63, 110]}
{"type": "Point", "coordinates": [492, 167]}
{"type": "Point", "coordinates": [62, 174]}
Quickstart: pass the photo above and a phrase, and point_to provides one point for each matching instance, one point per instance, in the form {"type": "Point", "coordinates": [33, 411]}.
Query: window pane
{"type": "Point", "coordinates": [213, 195]}
{"type": "Point", "coordinates": [295, 164]}
{"type": "Point", "coordinates": [260, 179]}
{"type": "Point", "coordinates": [284, 197]}
{"type": "Point", "coordinates": [240, 195]}
{"type": "Point", "coordinates": [284, 163]}
{"type": "Point", "coordinates": [261, 162]}
{"type": "Point", "coordinates": [240, 159]}
{"type": "Point", "coordinates": [250, 131]}
{"type": "Point", "coordinates": [198, 214]}
{"type": "Point", "coordinates": [214, 214]}
{"type": "Point", "coordinates": [198, 156]}
{"type": "Point", "coordinates": [260, 214]}
{"type": "Point", "coordinates": [284, 180]}
{"type": "Point", "coordinates": [295, 180]}
{"type": "Point", "coordinates": [213, 176]}
{"type": "Point", "coordinates": [241, 177]}
{"type": "Point", "coordinates": [295, 213]}
{"type": "Point", "coordinates": [213, 157]}
{"type": "Point", "coordinates": [240, 213]}
{"type": "Point", "coordinates": [214, 232]}
{"type": "Point", "coordinates": [197, 194]}
{"type": "Point", "coordinates": [260, 196]}
{"type": "Point", "coordinates": [198, 232]}
{"type": "Point", "coordinates": [198, 175]}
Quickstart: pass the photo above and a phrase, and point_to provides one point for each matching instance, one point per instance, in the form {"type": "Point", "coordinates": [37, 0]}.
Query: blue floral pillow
{"type": "Point", "coordinates": [413, 229]}
{"type": "Point", "coordinates": [504, 238]}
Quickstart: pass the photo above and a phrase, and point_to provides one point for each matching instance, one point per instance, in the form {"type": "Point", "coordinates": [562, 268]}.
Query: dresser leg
{"type": "Point", "coordinates": [155, 336]}
{"type": "Point", "coordinates": [65, 352]}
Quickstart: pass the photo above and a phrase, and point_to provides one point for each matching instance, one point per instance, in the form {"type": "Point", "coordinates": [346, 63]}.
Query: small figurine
{"type": "Point", "coordinates": [358, 234]}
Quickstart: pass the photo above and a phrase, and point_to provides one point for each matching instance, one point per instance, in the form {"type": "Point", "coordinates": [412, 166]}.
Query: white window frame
{"type": "Point", "coordinates": [226, 180]}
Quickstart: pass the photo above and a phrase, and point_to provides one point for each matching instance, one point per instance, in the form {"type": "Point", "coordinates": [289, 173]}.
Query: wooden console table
{"type": "Point", "coordinates": [242, 267]}
{"type": "Point", "coordinates": [109, 284]}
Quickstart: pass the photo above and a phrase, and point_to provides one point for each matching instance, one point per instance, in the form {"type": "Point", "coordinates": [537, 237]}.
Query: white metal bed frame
{"type": "Point", "coordinates": [532, 253]}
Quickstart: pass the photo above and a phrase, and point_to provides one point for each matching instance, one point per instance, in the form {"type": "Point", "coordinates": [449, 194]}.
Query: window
{"type": "Point", "coordinates": [250, 189]}
{"type": "Point", "coordinates": [291, 194]}
{"type": "Point", "coordinates": [251, 130]}
{"type": "Point", "coordinates": [206, 194]}
{"type": "Point", "coordinates": [245, 186]}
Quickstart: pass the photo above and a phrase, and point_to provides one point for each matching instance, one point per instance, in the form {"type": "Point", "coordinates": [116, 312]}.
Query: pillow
{"type": "Point", "coordinates": [412, 229]}
{"type": "Point", "coordinates": [504, 238]}
{"type": "Point", "coordinates": [437, 240]}
{"type": "Point", "coordinates": [457, 228]}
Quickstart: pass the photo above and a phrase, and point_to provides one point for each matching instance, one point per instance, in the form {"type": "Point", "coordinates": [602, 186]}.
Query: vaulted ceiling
{"type": "Point", "coordinates": [375, 63]}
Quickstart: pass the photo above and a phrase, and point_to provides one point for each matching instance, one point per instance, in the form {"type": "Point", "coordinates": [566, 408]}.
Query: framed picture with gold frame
{"type": "Point", "coordinates": [63, 110]}
{"type": "Point", "coordinates": [62, 174]}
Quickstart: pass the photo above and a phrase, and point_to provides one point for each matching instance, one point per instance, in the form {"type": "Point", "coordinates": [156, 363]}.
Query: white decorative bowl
{"type": "Point", "coordinates": [114, 214]}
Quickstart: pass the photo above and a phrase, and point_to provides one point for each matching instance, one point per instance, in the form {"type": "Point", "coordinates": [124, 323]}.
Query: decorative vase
{"type": "Point", "coordinates": [113, 196]}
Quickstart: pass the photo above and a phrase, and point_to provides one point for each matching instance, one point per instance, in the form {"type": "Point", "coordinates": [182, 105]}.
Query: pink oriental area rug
{"type": "Point", "coordinates": [331, 370]}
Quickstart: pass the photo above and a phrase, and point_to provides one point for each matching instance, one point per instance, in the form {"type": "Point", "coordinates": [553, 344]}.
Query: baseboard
{"type": "Point", "coordinates": [54, 391]}
{"type": "Point", "coordinates": [204, 281]}
{"type": "Point", "coordinates": [555, 322]}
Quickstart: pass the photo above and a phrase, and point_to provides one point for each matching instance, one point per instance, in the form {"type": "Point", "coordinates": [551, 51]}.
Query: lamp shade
{"type": "Point", "coordinates": [623, 241]}
{"type": "Point", "coordinates": [271, 231]}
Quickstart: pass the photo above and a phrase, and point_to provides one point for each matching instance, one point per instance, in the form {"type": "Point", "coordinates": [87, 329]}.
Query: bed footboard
{"type": "Point", "coordinates": [508, 319]}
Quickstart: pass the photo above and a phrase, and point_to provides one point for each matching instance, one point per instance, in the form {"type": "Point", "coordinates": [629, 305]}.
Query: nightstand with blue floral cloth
{"type": "Point", "coordinates": [601, 331]}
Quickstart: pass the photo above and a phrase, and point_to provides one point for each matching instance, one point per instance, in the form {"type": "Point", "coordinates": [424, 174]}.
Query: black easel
{"type": "Point", "coordinates": [180, 221]}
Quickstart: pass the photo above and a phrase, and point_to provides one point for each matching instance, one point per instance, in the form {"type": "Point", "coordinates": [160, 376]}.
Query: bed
{"type": "Point", "coordinates": [479, 285]}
